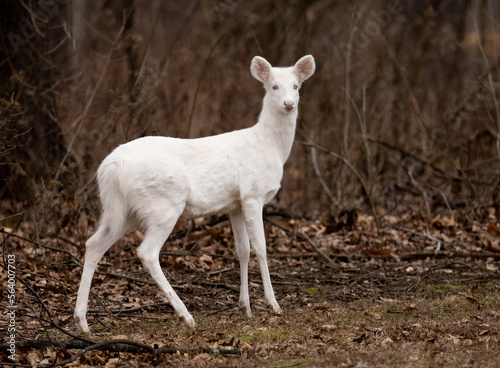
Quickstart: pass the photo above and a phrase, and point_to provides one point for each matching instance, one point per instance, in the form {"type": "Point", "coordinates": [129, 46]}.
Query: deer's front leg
{"type": "Point", "coordinates": [252, 214]}
{"type": "Point", "coordinates": [242, 246]}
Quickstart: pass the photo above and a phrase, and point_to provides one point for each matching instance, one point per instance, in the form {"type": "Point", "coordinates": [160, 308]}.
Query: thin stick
{"type": "Point", "coordinates": [424, 193]}
{"type": "Point", "coordinates": [128, 310]}
{"type": "Point", "coordinates": [430, 237]}
{"type": "Point", "coordinates": [318, 174]}
{"type": "Point", "coordinates": [317, 249]}
{"type": "Point", "coordinates": [45, 308]}
{"type": "Point", "coordinates": [216, 272]}
{"type": "Point", "coordinates": [212, 49]}
{"type": "Point", "coordinates": [356, 172]}
{"type": "Point", "coordinates": [81, 118]}
{"type": "Point", "coordinates": [348, 54]}
{"type": "Point", "coordinates": [12, 216]}
{"type": "Point", "coordinates": [493, 93]}
{"type": "Point", "coordinates": [73, 258]}
{"type": "Point", "coordinates": [423, 161]}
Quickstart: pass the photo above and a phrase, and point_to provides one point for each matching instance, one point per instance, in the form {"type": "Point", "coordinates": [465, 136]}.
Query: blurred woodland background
{"type": "Point", "coordinates": [402, 114]}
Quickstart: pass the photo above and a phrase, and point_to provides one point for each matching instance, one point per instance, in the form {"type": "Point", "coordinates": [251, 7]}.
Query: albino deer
{"type": "Point", "coordinates": [152, 181]}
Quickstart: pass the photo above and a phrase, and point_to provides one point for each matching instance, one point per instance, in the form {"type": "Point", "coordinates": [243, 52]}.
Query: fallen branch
{"type": "Point", "coordinates": [126, 277]}
{"type": "Point", "coordinates": [127, 310]}
{"type": "Point", "coordinates": [86, 345]}
{"type": "Point", "coordinates": [303, 236]}
{"type": "Point", "coordinates": [50, 319]}
{"type": "Point", "coordinates": [430, 237]}
{"type": "Point", "coordinates": [317, 249]}
{"type": "Point", "coordinates": [116, 345]}
{"type": "Point", "coordinates": [214, 284]}
{"type": "Point", "coordinates": [218, 272]}
{"type": "Point", "coordinates": [387, 257]}
{"type": "Point", "coordinates": [73, 258]}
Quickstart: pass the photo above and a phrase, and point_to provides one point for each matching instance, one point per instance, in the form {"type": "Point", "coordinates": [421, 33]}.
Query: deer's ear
{"type": "Point", "coordinates": [304, 68]}
{"type": "Point", "coordinates": [261, 69]}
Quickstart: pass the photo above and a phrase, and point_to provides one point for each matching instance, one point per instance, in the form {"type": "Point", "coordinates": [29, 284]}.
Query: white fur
{"type": "Point", "coordinates": [152, 181]}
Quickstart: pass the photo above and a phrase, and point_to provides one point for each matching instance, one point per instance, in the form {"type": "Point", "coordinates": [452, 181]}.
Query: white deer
{"type": "Point", "coordinates": [152, 181]}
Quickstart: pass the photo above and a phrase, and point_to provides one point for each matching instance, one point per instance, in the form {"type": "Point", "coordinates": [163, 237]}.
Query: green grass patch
{"type": "Point", "coordinates": [293, 362]}
{"type": "Point", "coordinates": [447, 288]}
{"type": "Point", "coordinates": [313, 292]}
{"type": "Point", "coordinates": [271, 335]}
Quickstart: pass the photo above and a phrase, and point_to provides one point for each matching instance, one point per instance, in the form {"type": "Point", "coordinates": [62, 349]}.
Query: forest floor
{"type": "Point", "coordinates": [413, 293]}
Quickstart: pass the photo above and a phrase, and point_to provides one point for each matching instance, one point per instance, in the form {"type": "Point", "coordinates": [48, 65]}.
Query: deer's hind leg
{"type": "Point", "coordinates": [157, 232]}
{"type": "Point", "coordinates": [96, 246]}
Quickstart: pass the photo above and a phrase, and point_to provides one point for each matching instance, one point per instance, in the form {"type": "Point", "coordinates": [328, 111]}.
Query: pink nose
{"type": "Point", "coordinates": [289, 105]}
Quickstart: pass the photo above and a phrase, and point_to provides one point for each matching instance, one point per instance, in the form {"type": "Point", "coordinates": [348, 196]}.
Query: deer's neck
{"type": "Point", "coordinates": [278, 128]}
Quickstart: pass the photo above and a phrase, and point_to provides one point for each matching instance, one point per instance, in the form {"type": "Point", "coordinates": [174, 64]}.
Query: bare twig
{"type": "Point", "coordinates": [217, 284]}
{"type": "Point", "coordinates": [364, 134]}
{"type": "Point", "coordinates": [348, 54]}
{"type": "Point", "coordinates": [229, 307]}
{"type": "Point", "coordinates": [492, 90]}
{"type": "Point", "coordinates": [126, 277]}
{"type": "Point", "coordinates": [356, 172]}
{"type": "Point", "coordinates": [50, 319]}
{"type": "Point", "coordinates": [128, 310]}
{"type": "Point", "coordinates": [317, 249]}
{"type": "Point", "coordinates": [305, 237]}
{"type": "Point", "coordinates": [12, 216]}
{"type": "Point", "coordinates": [424, 193]}
{"type": "Point", "coordinates": [81, 118]}
{"type": "Point", "coordinates": [205, 65]}
{"type": "Point", "coordinates": [73, 258]}
{"type": "Point", "coordinates": [405, 82]}
{"type": "Point", "coordinates": [217, 272]}
{"type": "Point", "coordinates": [34, 22]}
{"type": "Point", "coordinates": [318, 174]}
{"type": "Point", "coordinates": [430, 237]}
{"type": "Point", "coordinates": [424, 162]}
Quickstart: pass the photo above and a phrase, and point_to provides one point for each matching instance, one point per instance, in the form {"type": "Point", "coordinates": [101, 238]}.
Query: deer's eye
{"type": "Point", "coordinates": [275, 87]}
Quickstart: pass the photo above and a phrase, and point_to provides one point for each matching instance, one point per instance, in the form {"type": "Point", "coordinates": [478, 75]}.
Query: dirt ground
{"type": "Point", "coordinates": [352, 296]}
